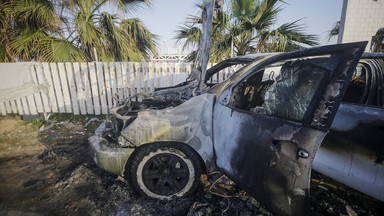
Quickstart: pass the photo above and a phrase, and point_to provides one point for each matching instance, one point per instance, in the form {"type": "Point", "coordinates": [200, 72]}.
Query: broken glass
{"type": "Point", "coordinates": [288, 96]}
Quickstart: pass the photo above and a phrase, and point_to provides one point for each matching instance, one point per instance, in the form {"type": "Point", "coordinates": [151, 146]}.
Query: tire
{"type": "Point", "coordinates": [164, 170]}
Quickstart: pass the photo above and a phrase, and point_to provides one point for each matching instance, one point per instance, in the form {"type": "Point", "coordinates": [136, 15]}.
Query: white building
{"type": "Point", "coordinates": [170, 54]}
{"type": "Point", "coordinates": [360, 20]}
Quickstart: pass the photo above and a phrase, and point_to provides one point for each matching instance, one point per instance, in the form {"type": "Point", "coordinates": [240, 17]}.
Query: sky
{"type": "Point", "coordinates": [164, 17]}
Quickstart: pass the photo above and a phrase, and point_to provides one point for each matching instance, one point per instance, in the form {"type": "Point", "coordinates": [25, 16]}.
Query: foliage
{"type": "Point", "coordinates": [36, 123]}
{"type": "Point", "coordinates": [246, 27]}
{"type": "Point", "coordinates": [377, 44]}
{"type": "Point", "coordinates": [75, 30]}
{"type": "Point", "coordinates": [334, 31]}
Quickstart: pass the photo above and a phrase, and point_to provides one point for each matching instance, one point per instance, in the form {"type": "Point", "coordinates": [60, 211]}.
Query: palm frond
{"type": "Point", "coordinates": [242, 9]}
{"type": "Point", "coordinates": [295, 32]}
{"type": "Point", "coordinates": [144, 40]}
{"type": "Point", "coordinates": [132, 6]}
{"type": "Point", "coordinates": [221, 48]}
{"type": "Point", "coordinates": [59, 50]}
{"type": "Point", "coordinates": [36, 14]}
{"type": "Point", "coordinates": [89, 35]}
{"type": "Point", "coordinates": [26, 44]}
{"type": "Point", "coordinates": [289, 34]}
{"type": "Point", "coordinates": [189, 34]}
{"type": "Point", "coordinates": [6, 33]}
{"type": "Point", "coordinates": [201, 4]}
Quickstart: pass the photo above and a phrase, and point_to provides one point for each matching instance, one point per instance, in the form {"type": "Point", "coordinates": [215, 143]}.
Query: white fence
{"type": "Point", "coordinates": [91, 88]}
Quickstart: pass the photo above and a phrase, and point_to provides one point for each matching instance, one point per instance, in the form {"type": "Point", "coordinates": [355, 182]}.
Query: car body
{"type": "Point", "coordinates": [353, 150]}
{"type": "Point", "coordinates": [260, 132]}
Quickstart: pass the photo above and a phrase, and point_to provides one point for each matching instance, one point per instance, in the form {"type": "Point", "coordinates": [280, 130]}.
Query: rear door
{"type": "Point", "coordinates": [269, 123]}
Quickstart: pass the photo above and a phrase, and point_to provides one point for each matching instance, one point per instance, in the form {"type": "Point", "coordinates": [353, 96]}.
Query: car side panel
{"type": "Point", "coordinates": [353, 151]}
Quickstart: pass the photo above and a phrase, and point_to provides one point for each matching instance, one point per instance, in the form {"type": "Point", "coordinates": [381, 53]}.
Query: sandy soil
{"type": "Point", "coordinates": [7, 125]}
{"type": "Point", "coordinates": [51, 172]}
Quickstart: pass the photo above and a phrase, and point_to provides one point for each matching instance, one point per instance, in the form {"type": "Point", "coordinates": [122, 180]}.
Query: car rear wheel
{"type": "Point", "coordinates": [165, 170]}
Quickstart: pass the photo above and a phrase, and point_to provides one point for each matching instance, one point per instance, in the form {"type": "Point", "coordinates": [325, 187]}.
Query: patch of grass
{"type": "Point", "coordinates": [36, 123]}
{"type": "Point", "coordinates": [11, 140]}
{"type": "Point", "coordinates": [3, 138]}
{"type": "Point", "coordinates": [59, 117]}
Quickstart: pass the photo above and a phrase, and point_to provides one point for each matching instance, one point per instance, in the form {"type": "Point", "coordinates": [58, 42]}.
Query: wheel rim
{"type": "Point", "coordinates": [165, 174]}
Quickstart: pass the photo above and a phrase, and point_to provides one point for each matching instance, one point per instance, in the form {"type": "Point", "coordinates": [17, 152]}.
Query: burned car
{"type": "Point", "coordinates": [353, 150]}
{"type": "Point", "coordinates": [261, 127]}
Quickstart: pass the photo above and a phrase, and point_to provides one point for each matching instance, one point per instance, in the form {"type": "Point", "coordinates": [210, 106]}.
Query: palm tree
{"type": "Point", "coordinates": [104, 36]}
{"type": "Point", "coordinates": [247, 27]}
{"type": "Point", "coordinates": [75, 30]}
{"type": "Point", "coordinates": [31, 31]}
{"type": "Point", "coordinates": [191, 31]}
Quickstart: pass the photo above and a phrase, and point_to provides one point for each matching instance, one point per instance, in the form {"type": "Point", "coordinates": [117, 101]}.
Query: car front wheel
{"type": "Point", "coordinates": [165, 170]}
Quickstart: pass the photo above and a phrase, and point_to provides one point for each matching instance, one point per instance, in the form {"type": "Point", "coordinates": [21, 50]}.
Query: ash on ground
{"type": "Point", "coordinates": [49, 171]}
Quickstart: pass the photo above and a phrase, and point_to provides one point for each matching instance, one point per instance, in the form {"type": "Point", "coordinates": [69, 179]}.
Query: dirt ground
{"type": "Point", "coordinates": [51, 172]}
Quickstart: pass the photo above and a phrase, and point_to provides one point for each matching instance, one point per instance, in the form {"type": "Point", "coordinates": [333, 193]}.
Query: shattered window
{"type": "Point", "coordinates": [287, 90]}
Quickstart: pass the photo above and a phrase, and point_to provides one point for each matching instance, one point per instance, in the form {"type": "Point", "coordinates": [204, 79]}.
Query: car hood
{"type": "Point", "coordinates": [189, 123]}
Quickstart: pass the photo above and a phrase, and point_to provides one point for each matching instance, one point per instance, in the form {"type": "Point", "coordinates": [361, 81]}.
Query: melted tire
{"type": "Point", "coordinates": [164, 170]}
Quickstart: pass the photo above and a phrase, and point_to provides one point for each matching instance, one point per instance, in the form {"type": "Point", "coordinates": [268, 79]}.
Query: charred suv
{"type": "Point", "coordinates": [261, 127]}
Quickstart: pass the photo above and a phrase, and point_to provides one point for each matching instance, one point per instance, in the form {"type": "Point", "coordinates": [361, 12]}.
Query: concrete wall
{"type": "Point", "coordinates": [360, 20]}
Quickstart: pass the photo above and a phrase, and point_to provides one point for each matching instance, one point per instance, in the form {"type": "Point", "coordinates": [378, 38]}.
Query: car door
{"type": "Point", "coordinates": [270, 121]}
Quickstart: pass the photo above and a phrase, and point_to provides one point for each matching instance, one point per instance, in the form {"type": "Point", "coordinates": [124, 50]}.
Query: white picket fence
{"type": "Point", "coordinates": [93, 87]}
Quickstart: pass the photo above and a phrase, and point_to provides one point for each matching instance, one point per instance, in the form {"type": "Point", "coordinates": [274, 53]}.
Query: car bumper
{"type": "Point", "coordinates": [109, 157]}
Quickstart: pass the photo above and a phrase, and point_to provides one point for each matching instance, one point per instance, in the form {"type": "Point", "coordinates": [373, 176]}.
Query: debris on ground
{"type": "Point", "coordinates": [92, 120]}
{"type": "Point", "coordinates": [41, 174]}
{"type": "Point", "coordinates": [44, 128]}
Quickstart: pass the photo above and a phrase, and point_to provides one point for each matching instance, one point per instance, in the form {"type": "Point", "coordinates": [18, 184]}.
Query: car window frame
{"type": "Point", "coordinates": [307, 117]}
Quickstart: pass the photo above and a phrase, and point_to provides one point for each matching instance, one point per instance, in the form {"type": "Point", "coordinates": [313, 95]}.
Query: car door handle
{"type": "Point", "coordinates": [291, 148]}
{"type": "Point", "coordinates": [302, 153]}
